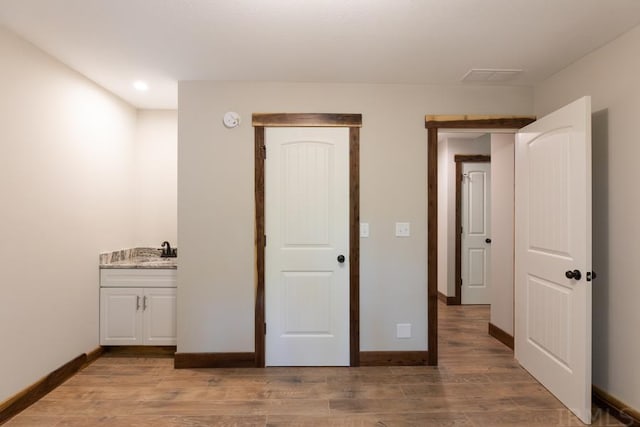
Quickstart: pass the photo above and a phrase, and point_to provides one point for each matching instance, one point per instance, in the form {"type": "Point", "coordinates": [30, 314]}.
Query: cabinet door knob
{"type": "Point", "coordinates": [487, 240]}
{"type": "Point", "coordinates": [341, 259]}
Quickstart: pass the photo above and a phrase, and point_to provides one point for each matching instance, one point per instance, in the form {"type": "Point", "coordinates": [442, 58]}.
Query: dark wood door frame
{"type": "Point", "coordinates": [432, 124]}
{"type": "Point", "coordinates": [353, 122]}
{"type": "Point", "coordinates": [459, 159]}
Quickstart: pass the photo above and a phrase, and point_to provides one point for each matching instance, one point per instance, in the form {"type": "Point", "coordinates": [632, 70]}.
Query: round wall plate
{"type": "Point", "coordinates": [231, 119]}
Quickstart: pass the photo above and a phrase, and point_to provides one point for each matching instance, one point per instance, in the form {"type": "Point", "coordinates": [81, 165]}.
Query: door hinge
{"type": "Point", "coordinates": [265, 328]}
{"type": "Point", "coordinates": [264, 151]}
{"type": "Point", "coordinates": [461, 230]}
{"type": "Point", "coordinates": [265, 240]}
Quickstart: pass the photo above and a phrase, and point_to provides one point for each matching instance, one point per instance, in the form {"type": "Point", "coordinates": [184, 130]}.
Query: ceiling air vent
{"type": "Point", "coordinates": [490, 75]}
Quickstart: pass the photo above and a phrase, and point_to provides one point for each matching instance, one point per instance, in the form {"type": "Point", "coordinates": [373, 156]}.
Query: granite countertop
{"type": "Point", "coordinates": [137, 258]}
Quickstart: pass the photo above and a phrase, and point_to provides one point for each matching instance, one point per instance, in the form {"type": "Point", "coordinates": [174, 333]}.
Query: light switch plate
{"type": "Point", "coordinates": [403, 229]}
{"type": "Point", "coordinates": [403, 330]}
{"type": "Point", "coordinates": [364, 229]}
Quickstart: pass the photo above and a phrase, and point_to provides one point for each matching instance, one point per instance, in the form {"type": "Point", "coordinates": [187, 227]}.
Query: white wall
{"type": "Point", "coordinates": [156, 178]}
{"type": "Point", "coordinates": [610, 76]}
{"type": "Point", "coordinates": [65, 175]}
{"type": "Point", "coordinates": [447, 194]}
{"type": "Point", "coordinates": [443, 217]}
{"type": "Point", "coordinates": [216, 200]}
{"type": "Point", "coordinates": [502, 195]}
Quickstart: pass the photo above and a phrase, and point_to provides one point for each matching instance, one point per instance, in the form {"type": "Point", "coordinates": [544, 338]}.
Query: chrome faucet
{"type": "Point", "coordinates": [167, 252]}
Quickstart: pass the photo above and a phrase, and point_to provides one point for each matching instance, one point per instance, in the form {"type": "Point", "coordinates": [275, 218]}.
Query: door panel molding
{"type": "Point", "coordinates": [432, 124]}
{"type": "Point", "coordinates": [307, 307]}
{"type": "Point", "coordinates": [459, 159]}
{"type": "Point", "coordinates": [353, 122]}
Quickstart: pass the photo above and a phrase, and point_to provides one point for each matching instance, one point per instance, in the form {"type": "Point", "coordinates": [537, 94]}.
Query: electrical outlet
{"type": "Point", "coordinates": [403, 330]}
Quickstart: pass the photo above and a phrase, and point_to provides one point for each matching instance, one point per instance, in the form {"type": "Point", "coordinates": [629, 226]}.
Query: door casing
{"type": "Point", "coordinates": [433, 123]}
{"type": "Point", "coordinates": [353, 122]}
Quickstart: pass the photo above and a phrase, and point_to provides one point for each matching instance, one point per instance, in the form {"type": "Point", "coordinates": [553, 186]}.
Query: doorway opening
{"type": "Point", "coordinates": [467, 219]}
{"type": "Point", "coordinates": [467, 307]}
{"type": "Point", "coordinates": [552, 219]}
{"type": "Point", "coordinates": [433, 125]}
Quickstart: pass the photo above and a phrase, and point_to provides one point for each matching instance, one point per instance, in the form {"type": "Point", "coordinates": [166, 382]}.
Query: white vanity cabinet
{"type": "Point", "coordinates": [138, 307]}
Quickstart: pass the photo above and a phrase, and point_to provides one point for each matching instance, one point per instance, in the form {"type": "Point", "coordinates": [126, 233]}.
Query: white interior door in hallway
{"type": "Point", "coordinates": [476, 233]}
{"type": "Point", "coordinates": [553, 254]}
{"type": "Point", "coordinates": [307, 246]}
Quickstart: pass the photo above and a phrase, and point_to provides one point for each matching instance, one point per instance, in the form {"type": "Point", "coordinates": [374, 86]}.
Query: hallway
{"type": "Point", "coordinates": [477, 384]}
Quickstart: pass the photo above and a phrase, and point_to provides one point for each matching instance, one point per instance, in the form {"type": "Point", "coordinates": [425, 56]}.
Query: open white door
{"type": "Point", "coordinates": [306, 257]}
{"type": "Point", "coordinates": [553, 254]}
{"type": "Point", "coordinates": [476, 233]}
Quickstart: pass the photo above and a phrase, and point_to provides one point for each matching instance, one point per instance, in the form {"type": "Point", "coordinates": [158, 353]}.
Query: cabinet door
{"type": "Point", "coordinates": [120, 316]}
{"type": "Point", "coordinates": [159, 316]}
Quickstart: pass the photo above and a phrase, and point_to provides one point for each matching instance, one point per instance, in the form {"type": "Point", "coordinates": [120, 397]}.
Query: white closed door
{"type": "Point", "coordinates": [307, 246]}
{"type": "Point", "coordinates": [553, 254]}
{"type": "Point", "coordinates": [121, 316]}
{"type": "Point", "coordinates": [476, 233]}
{"type": "Point", "coordinates": [159, 305]}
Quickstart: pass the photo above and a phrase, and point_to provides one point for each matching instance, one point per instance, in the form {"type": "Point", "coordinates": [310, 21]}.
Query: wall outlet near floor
{"type": "Point", "coordinates": [403, 229]}
{"type": "Point", "coordinates": [403, 330]}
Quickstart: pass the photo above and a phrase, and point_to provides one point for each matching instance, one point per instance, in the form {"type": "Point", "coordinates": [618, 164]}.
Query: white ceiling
{"type": "Point", "coordinates": [115, 42]}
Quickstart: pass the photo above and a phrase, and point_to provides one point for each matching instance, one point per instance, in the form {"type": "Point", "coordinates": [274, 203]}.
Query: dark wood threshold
{"type": "Point", "coordinates": [628, 416]}
{"type": "Point", "coordinates": [30, 395]}
{"type": "Point", "coordinates": [501, 335]}
{"type": "Point", "coordinates": [393, 358]}
{"type": "Point", "coordinates": [447, 300]}
{"type": "Point", "coordinates": [139, 351]}
{"type": "Point", "coordinates": [214, 360]}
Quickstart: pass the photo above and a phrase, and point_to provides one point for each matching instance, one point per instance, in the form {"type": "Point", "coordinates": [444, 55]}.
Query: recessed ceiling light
{"type": "Point", "coordinates": [140, 85]}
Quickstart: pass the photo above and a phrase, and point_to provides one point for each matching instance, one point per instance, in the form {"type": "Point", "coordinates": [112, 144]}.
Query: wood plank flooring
{"type": "Point", "coordinates": [477, 384]}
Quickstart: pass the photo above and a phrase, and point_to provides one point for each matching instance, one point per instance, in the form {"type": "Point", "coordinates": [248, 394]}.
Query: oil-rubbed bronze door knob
{"type": "Point", "coordinates": [575, 274]}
